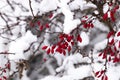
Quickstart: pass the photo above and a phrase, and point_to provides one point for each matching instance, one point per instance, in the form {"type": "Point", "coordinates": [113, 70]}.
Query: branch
{"type": "Point", "coordinates": [31, 8]}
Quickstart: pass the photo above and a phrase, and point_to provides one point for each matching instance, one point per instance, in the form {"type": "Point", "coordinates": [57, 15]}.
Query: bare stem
{"type": "Point", "coordinates": [31, 8]}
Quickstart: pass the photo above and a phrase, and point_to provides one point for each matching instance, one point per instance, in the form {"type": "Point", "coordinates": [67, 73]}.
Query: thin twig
{"type": "Point", "coordinates": [31, 8]}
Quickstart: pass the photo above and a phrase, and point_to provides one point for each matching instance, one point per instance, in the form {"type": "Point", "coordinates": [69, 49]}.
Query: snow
{"type": "Point", "coordinates": [96, 12]}
{"type": "Point", "coordinates": [59, 58]}
{"type": "Point", "coordinates": [70, 60]}
{"type": "Point", "coordinates": [2, 46]}
{"type": "Point", "coordinates": [81, 4]}
{"type": "Point", "coordinates": [83, 71]}
{"type": "Point", "coordinates": [44, 7]}
{"type": "Point", "coordinates": [85, 39]}
{"type": "Point", "coordinates": [66, 63]}
{"type": "Point", "coordinates": [113, 70]}
{"type": "Point", "coordinates": [17, 47]}
{"type": "Point", "coordinates": [100, 25]}
{"type": "Point", "coordinates": [98, 39]}
{"type": "Point", "coordinates": [105, 8]}
{"type": "Point", "coordinates": [69, 25]}
{"type": "Point", "coordinates": [88, 5]}
{"type": "Point", "coordinates": [69, 22]}
{"type": "Point", "coordinates": [50, 78]}
{"type": "Point", "coordinates": [101, 45]}
{"type": "Point", "coordinates": [25, 77]}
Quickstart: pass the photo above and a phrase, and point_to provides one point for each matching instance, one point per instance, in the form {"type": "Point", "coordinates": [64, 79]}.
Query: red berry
{"type": "Point", "coordinates": [44, 47]}
{"type": "Point", "coordinates": [112, 16]}
{"type": "Point", "coordinates": [48, 51]}
{"type": "Point", "coordinates": [41, 28]}
{"type": "Point", "coordinates": [118, 34]}
{"type": "Point", "coordinates": [97, 73]}
{"type": "Point", "coordinates": [47, 25]}
{"type": "Point", "coordinates": [51, 15]}
{"type": "Point", "coordinates": [110, 34]}
{"type": "Point", "coordinates": [69, 48]}
{"type": "Point", "coordinates": [117, 7]}
{"type": "Point", "coordinates": [85, 25]}
{"type": "Point", "coordinates": [38, 23]}
{"type": "Point", "coordinates": [79, 38]}
{"type": "Point", "coordinates": [105, 16]}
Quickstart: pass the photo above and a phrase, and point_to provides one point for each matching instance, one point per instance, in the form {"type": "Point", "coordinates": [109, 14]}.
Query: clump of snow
{"type": "Point", "coordinates": [69, 22]}
{"type": "Point", "coordinates": [101, 45]}
{"type": "Point", "coordinates": [25, 77]}
{"type": "Point", "coordinates": [101, 26]}
{"type": "Point", "coordinates": [105, 8]}
{"type": "Point", "coordinates": [88, 5]}
{"type": "Point", "coordinates": [82, 4]}
{"type": "Point", "coordinates": [69, 62]}
{"type": "Point", "coordinates": [69, 25]}
{"type": "Point", "coordinates": [96, 12]}
{"type": "Point", "coordinates": [117, 37]}
{"type": "Point", "coordinates": [59, 58]}
{"type": "Point", "coordinates": [85, 39]}
{"type": "Point", "coordinates": [99, 38]}
{"type": "Point", "coordinates": [17, 47]}
{"type": "Point", "coordinates": [113, 73]}
{"type": "Point", "coordinates": [45, 7]}
{"type": "Point", "coordinates": [83, 71]}
{"type": "Point", "coordinates": [74, 74]}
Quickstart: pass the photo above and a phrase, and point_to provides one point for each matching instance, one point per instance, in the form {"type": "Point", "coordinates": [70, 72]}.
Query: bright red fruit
{"type": "Point", "coordinates": [69, 38]}
{"type": "Point", "coordinates": [59, 50]}
{"type": "Point", "coordinates": [105, 16]}
{"type": "Point", "coordinates": [91, 25]}
{"type": "Point", "coordinates": [110, 34]}
{"type": "Point", "coordinates": [111, 42]}
{"type": "Point", "coordinates": [5, 77]}
{"type": "Point", "coordinates": [85, 25]}
{"type": "Point", "coordinates": [8, 66]}
{"type": "Point", "coordinates": [117, 7]}
{"type": "Point", "coordinates": [109, 59]}
{"type": "Point", "coordinates": [112, 16]}
{"type": "Point", "coordinates": [118, 34]}
{"type": "Point", "coordinates": [97, 73]}
{"type": "Point", "coordinates": [69, 48]}
{"type": "Point", "coordinates": [116, 59]}
{"type": "Point", "coordinates": [48, 51]}
{"type": "Point", "coordinates": [44, 47]}
{"type": "Point", "coordinates": [105, 78]}
{"type": "Point", "coordinates": [38, 23]}
{"type": "Point", "coordinates": [119, 44]}
{"type": "Point", "coordinates": [72, 43]}
{"type": "Point", "coordinates": [100, 54]}
{"type": "Point", "coordinates": [4, 71]}
{"type": "Point", "coordinates": [44, 59]}
{"type": "Point", "coordinates": [79, 38]}
{"type": "Point", "coordinates": [47, 25]}
{"type": "Point", "coordinates": [41, 28]}
{"type": "Point", "coordinates": [64, 53]}
{"type": "Point", "coordinates": [104, 54]}
{"type": "Point", "coordinates": [52, 51]}
{"type": "Point", "coordinates": [51, 15]}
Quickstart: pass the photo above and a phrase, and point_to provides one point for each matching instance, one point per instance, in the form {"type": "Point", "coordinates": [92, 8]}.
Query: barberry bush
{"type": "Point", "coordinates": [60, 40]}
